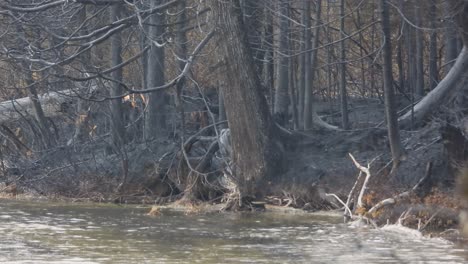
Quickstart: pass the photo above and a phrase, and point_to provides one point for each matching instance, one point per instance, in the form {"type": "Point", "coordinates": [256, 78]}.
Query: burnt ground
{"type": "Point", "coordinates": [317, 163]}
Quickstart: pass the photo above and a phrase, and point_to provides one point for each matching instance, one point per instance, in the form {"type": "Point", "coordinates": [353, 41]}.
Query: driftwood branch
{"type": "Point", "coordinates": [350, 195]}
{"type": "Point", "coordinates": [365, 170]}
{"type": "Point", "coordinates": [341, 201]}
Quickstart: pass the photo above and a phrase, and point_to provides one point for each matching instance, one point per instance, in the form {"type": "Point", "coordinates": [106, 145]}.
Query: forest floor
{"type": "Point", "coordinates": [317, 165]}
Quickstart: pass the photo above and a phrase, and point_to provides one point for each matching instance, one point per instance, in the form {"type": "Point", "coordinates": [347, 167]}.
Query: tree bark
{"type": "Point", "coordinates": [252, 17]}
{"type": "Point", "coordinates": [256, 150]}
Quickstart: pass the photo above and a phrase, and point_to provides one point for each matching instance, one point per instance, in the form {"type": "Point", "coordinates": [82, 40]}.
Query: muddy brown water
{"type": "Point", "coordinates": [39, 232]}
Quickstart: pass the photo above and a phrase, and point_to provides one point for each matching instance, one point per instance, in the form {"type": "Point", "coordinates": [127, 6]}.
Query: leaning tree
{"type": "Point", "coordinates": [453, 81]}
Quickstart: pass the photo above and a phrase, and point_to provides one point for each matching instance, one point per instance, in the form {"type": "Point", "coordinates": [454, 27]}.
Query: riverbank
{"type": "Point", "coordinates": [428, 221]}
{"type": "Point", "coordinates": [317, 169]}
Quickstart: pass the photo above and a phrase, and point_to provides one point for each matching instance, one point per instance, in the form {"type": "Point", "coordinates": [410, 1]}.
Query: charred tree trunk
{"type": "Point", "coordinates": [451, 37]}
{"type": "Point", "coordinates": [433, 68]}
{"type": "Point", "coordinates": [117, 125]}
{"type": "Point", "coordinates": [155, 122]}
{"type": "Point", "coordinates": [256, 150]}
{"type": "Point", "coordinates": [390, 107]}
{"type": "Point", "coordinates": [182, 54]}
{"type": "Point", "coordinates": [310, 112]}
{"type": "Point", "coordinates": [281, 93]}
{"type": "Point", "coordinates": [311, 65]}
{"type": "Point", "coordinates": [82, 118]}
{"type": "Point", "coordinates": [268, 65]}
{"type": "Point", "coordinates": [343, 92]}
{"type": "Point", "coordinates": [302, 60]}
{"type": "Point", "coordinates": [419, 91]}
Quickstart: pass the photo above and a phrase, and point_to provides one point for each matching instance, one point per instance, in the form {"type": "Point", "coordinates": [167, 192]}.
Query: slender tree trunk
{"type": "Point", "coordinates": [343, 92]}
{"type": "Point", "coordinates": [309, 112]}
{"type": "Point", "coordinates": [419, 54]}
{"type": "Point", "coordinates": [371, 64]}
{"type": "Point", "coordinates": [268, 65]}
{"type": "Point", "coordinates": [412, 71]}
{"type": "Point", "coordinates": [451, 37]}
{"type": "Point", "coordinates": [281, 93]}
{"type": "Point", "coordinates": [433, 68]}
{"type": "Point", "coordinates": [390, 107]}
{"type": "Point", "coordinates": [330, 51]}
{"type": "Point", "coordinates": [143, 43]}
{"type": "Point", "coordinates": [117, 125]}
{"type": "Point", "coordinates": [256, 152]}
{"type": "Point", "coordinates": [292, 92]}
{"type": "Point", "coordinates": [82, 118]}
{"type": "Point", "coordinates": [155, 123]}
{"type": "Point", "coordinates": [361, 55]}
{"type": "Point", "coordinates": [302, 60]}
{"type": "Point", "coordinates": [401, 69]}
{"type": "Point", "coordinates": [221, 110]}
{"type": "Point", "coordinates": [181, 47]}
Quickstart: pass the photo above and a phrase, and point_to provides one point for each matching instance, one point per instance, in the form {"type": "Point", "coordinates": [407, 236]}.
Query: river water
{"type": "Point", "coordinates": [38, 232]}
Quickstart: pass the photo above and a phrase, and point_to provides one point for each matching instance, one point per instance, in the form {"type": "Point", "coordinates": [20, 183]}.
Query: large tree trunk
{"type": "Point", "coordinates": [256, 151]}
{"type": "Point", "coordinates": [390, 107]}
{"type": "Point", "coordinates": [451, 82]}
{"type": "Point", "coordinates": [155, 122]}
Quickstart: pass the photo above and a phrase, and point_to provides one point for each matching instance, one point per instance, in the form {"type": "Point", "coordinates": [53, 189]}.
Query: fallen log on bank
{"type": "Point", "coordinates": [15, 109]}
